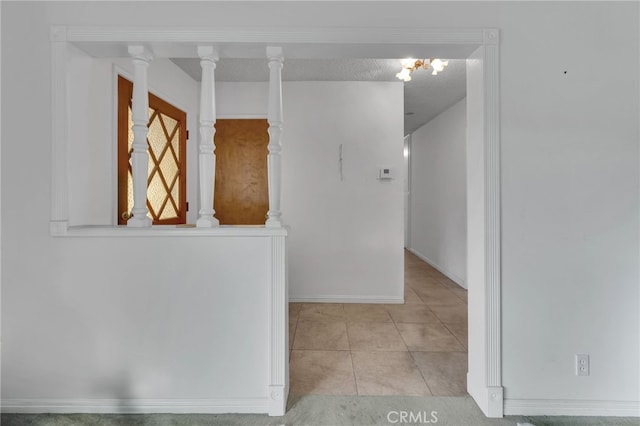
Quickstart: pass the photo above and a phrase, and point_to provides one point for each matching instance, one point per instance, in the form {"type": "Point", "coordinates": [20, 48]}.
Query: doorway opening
{"type": "Point", "coordinates": [484, 382]}
{"type": "Point", "coordinates": [481, 309]}
{"type": "Point", "coordinates": [435, 226]}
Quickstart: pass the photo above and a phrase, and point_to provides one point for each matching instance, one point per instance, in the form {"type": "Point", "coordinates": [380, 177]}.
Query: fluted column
{"type": "Point", "coordinates": [140, 156]}
{"type": "Point", "coordinates": [274, 116]}
{"type": "Point", "coordinates": [207, 158]}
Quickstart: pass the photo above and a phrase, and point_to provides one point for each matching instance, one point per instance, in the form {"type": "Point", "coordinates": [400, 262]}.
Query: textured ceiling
{"type": "Point", "coordinates": [426, 95]}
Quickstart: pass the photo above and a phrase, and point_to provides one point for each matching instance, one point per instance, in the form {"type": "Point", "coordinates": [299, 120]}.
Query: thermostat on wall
{"type": "Point", "coordinates": [385, 173]}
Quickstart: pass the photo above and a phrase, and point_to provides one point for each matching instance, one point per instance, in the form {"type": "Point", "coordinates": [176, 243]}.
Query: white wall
{"type": "Point", "coordinates": [92, 92]}
{"type": "Point", "coordinates": [476, 378]}
{"type": "Point", "coordinates": [346, 237]}
{"type": "Point", "coordinates": [119, 319]}
{"type": "Point", "coordinates": [570, 174]}
{"type": "Point", "coordinates": [438, 198]}
{"type": "Point", "coordinates": [407, 191]}
{"type": "Point", "coordinates": [335, 254]}
{"type": "Point", "coordinates": [345, 240]}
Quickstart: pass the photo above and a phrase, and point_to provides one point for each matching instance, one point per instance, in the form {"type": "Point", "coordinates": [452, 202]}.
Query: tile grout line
{"type": "Point", "coordinates": [398, 330]}
{"type": "Point", "coordinates": [456, 337]}
{"type": "Point", "coordinates": [449, 330]}
{"type": "Point", "coordinates": [295, 331]}
{"type": "Point", "coordinates": [353, 367]}
{"type": "Point", "coordinates": [412, 358]}
{"type": "Point", "coordinates": [424, 379]}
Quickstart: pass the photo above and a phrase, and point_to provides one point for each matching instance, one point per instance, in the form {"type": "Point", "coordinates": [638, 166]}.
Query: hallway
{"type": "Point", "coordinates": [419, 348]}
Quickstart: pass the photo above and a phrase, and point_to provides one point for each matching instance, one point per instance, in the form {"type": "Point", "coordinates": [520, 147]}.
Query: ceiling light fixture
{"type": "Point", "coordinates": [409, 65]}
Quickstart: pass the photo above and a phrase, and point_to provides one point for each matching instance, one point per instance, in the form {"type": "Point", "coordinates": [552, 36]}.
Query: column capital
{"type": "Point", "coordinates": [209, 53]}
{"type": "Point", "coordinates": [138, 51]}
{"type": "Point", "coordinates": [275, 53]}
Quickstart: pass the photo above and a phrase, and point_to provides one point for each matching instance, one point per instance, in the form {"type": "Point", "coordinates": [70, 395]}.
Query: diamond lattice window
{"type": "Point", "coordinates": [166, 177]}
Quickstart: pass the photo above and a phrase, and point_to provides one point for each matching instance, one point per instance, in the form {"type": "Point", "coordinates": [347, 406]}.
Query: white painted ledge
{"type": "Point", "coordinates": [166, 231]}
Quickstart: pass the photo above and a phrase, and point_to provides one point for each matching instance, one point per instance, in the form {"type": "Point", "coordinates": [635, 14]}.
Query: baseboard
{"type": "Point", "coordinates": [453, 277]}
{"type": "Point", "coordinates": [565, 407]}
{"type": "Point", "coordinates": [136, 406]}
{"type": "Point", "coordinates": [346, 299]}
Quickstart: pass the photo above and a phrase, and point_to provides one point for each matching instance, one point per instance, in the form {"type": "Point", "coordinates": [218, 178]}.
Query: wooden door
{"type": "Point", "coordinates": [167, 146]}
{"type": "Point", "coordinates": [241, 190]}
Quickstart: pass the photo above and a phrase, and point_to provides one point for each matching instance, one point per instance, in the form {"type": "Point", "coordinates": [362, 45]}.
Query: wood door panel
{"type": "Point", "coordinates": [167, 148]}
{"type": "Point", "coordinates": [241, 185]}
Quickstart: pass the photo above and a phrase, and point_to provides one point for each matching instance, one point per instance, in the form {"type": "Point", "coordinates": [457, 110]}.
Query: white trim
{"type": "Point", "coordinates": [492, 231]}
{"type": "Point", "coordinates": [269, 35]}
{"type": "Point", "coordinates": [136, 406]}
{"type": "Point", "coordinates": [168, 231]}
{"type": "Point", "coordinates": [453, 277]}
{"type": "Point", "coordinates": [278, 341]}
{"type": "Point", "coordinates": [346, 299]}
{"type": "Point", "coordinates": [0, 211]}
{"type": "Point", "coordinates": [567, 407]}
{"type": "Point", "coordinates": [409, 192]}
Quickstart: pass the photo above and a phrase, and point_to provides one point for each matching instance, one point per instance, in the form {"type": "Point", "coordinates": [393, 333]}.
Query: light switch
{"type": "Point", "coordinates": [385, 173]}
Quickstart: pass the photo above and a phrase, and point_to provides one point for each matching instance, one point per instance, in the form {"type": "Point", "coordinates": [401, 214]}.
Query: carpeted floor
{"type": "Point", "coordinates": [318, 410]}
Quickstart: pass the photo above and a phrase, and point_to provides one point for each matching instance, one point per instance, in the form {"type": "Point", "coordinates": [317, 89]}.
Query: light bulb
{"type": "Point", "coordinates": [404, 75]}
{"type": "Point", "coordinates": [408, 62]}
{"type": "Point", "coordinates": [437, 65]}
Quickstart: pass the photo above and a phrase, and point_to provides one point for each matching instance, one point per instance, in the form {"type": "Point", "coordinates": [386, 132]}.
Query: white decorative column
{"type": "Point", "coordinates": [140, 156]}
{"type": "Point", "coordinates": [274, 116]}
{"type": "Point", "coordinates": [493, 315]}
{"type": "Point", "coordinates": [207, 158]}
{"type": "Point", "coordinates": [279, 344]}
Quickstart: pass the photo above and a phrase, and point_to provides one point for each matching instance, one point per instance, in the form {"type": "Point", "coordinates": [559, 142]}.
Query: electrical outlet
{"type": "Point", "coordinates": [582, 365]}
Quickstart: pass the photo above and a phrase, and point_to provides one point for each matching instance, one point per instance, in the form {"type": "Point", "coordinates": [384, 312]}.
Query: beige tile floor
{"type": "Point", "coordinates": [419, 348]}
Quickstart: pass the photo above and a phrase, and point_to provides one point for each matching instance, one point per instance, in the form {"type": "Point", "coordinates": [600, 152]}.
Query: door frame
{"type": "Point", "coordinates": [485, 371]}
